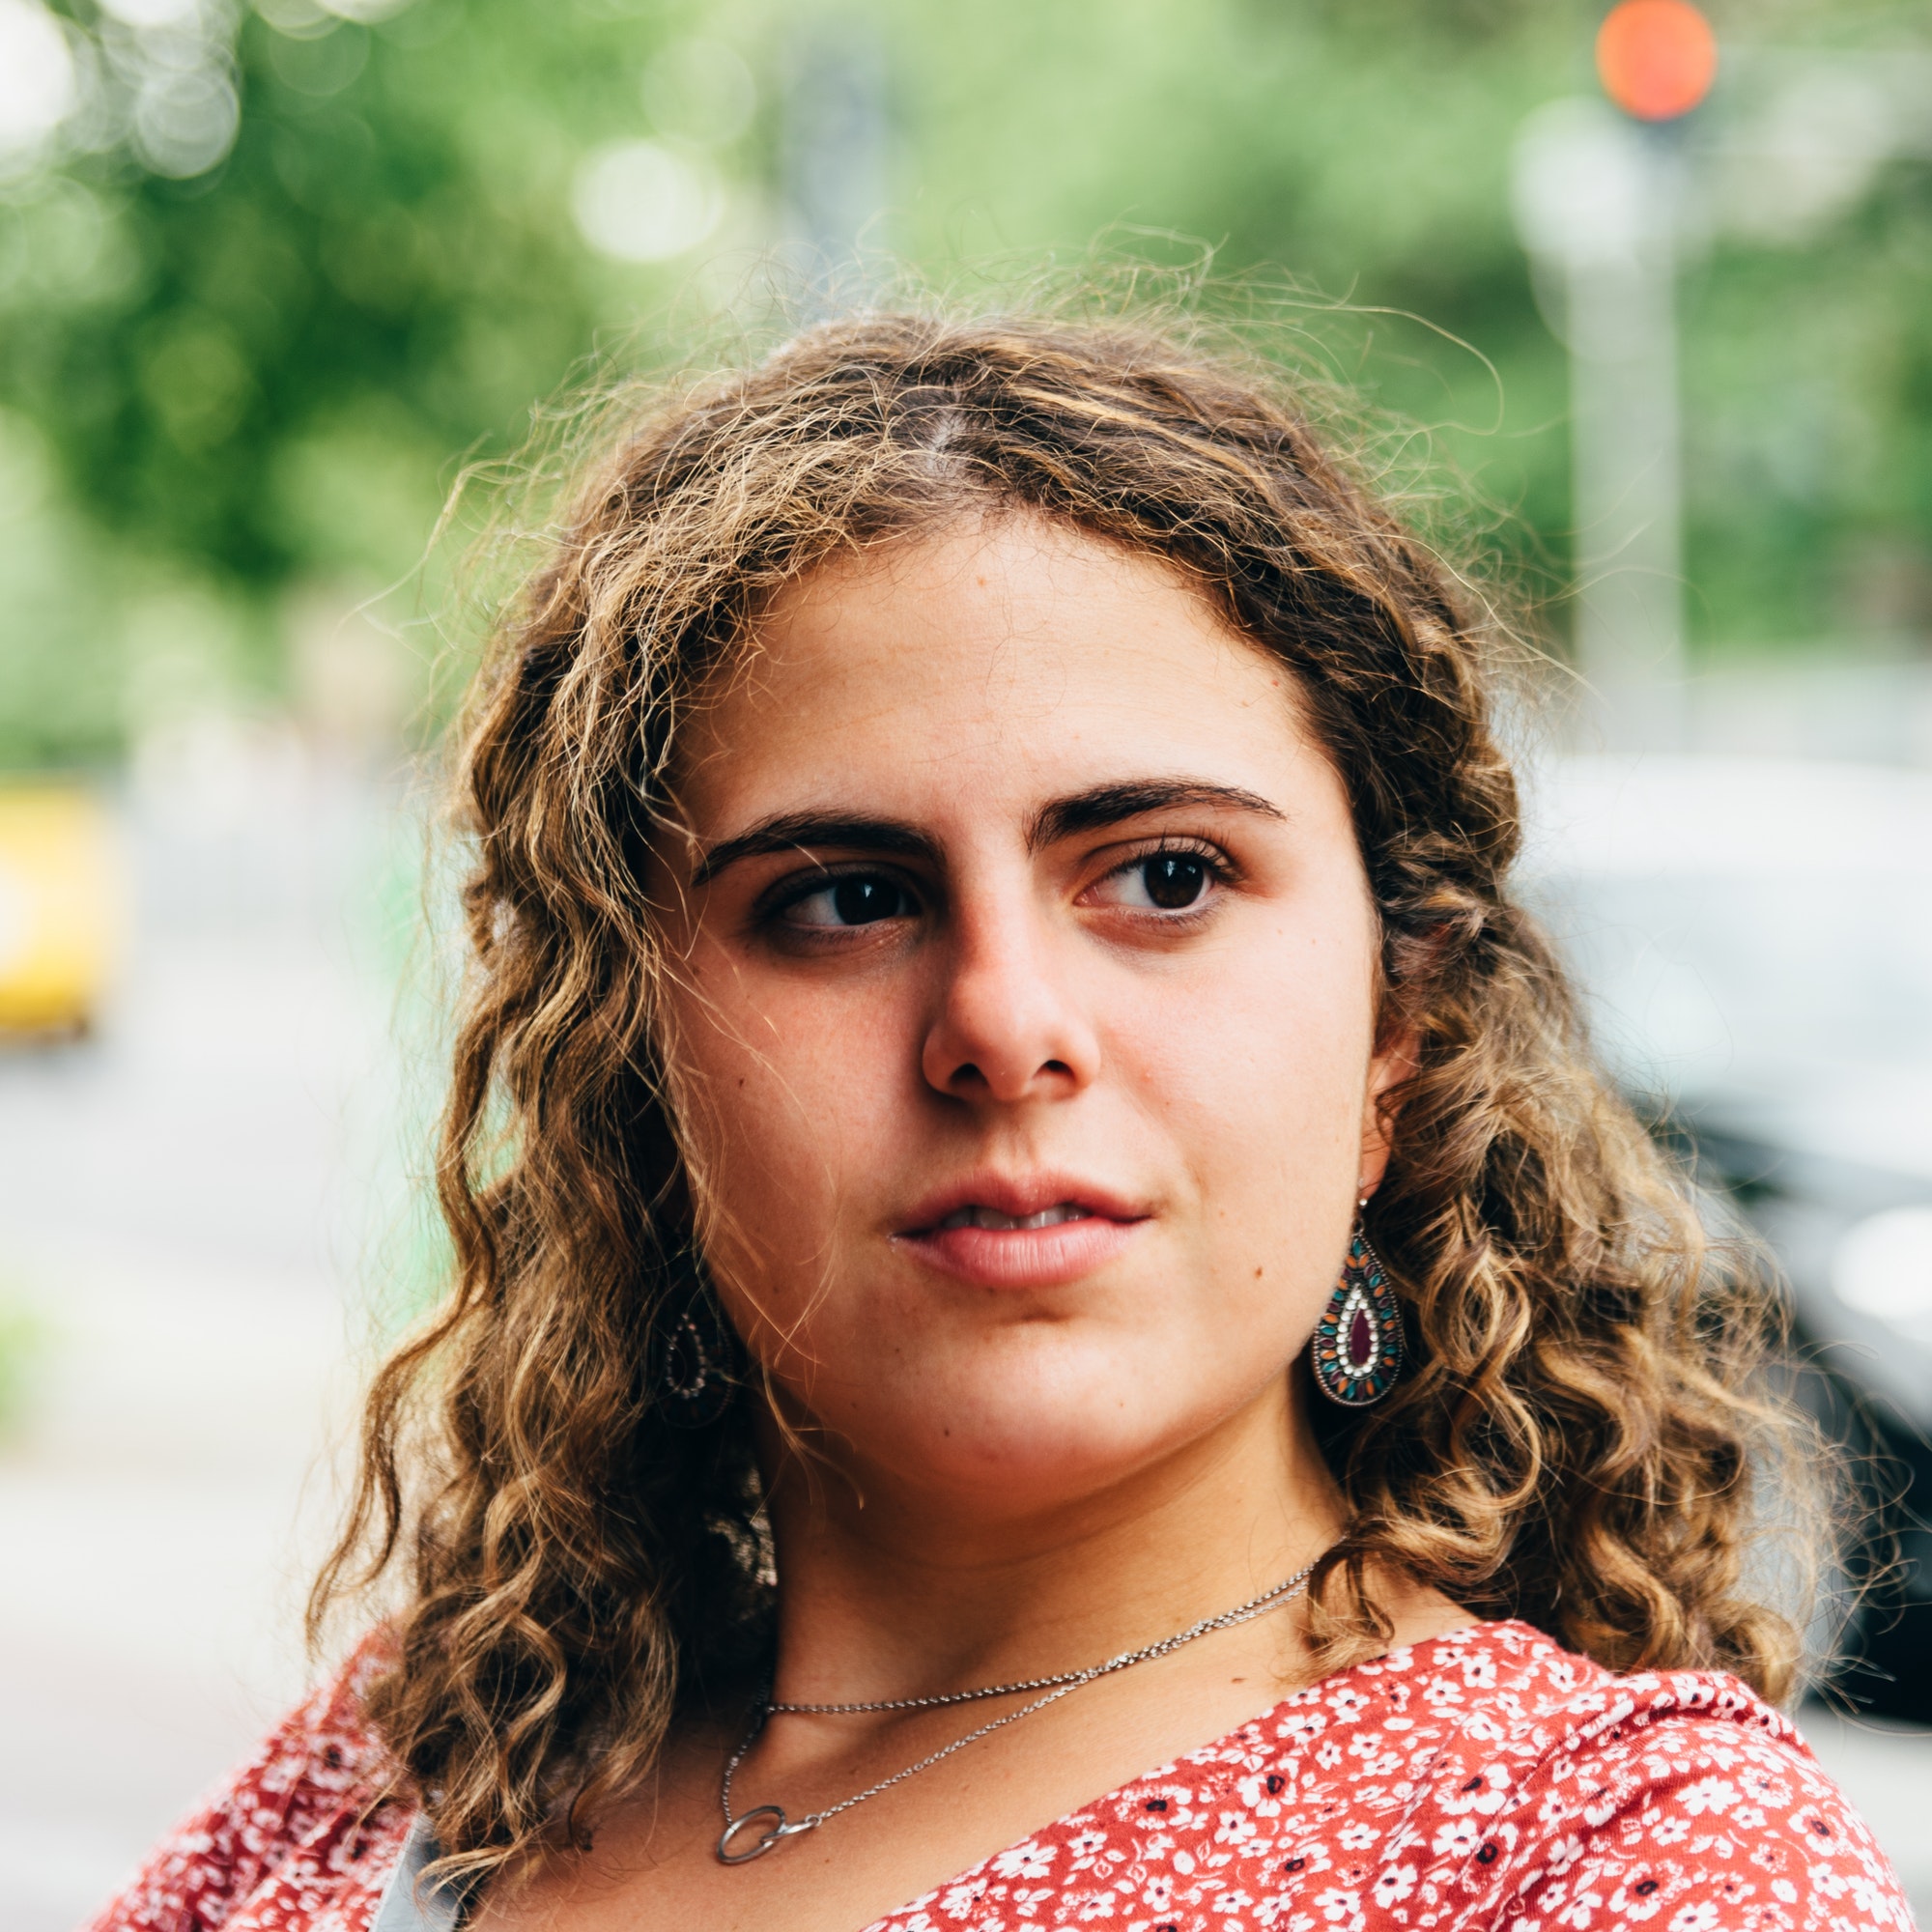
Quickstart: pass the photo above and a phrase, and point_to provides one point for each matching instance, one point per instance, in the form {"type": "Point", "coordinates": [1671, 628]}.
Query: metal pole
{"type": "Point", "coordinates": [1596, 207]}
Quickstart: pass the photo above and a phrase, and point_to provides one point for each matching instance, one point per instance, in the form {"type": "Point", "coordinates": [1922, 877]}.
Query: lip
{"type": "Point", "coordinates": [1022, 1258]}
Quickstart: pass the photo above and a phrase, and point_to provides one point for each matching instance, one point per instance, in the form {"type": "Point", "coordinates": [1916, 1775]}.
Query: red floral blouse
{"type": "Point", "coordinates": [1482, 1779]}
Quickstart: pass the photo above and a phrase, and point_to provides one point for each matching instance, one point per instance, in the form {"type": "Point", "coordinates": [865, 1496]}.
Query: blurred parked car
{"type": "Point", "coordinates": [61, 908]}
{"type": "Point", "coordinates": [1755, 940]}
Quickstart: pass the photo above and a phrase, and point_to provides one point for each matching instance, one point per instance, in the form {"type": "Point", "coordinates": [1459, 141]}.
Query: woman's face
{"type": "Point", "coordinates": [1028, 1017]}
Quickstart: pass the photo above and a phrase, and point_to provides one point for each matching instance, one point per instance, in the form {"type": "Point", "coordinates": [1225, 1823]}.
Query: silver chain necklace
{"type": "Point", "coordinates": [778, 1827]}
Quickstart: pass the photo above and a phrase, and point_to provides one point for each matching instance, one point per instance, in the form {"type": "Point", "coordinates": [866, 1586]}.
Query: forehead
{"type": "Point", "coordinates": [995, 661]}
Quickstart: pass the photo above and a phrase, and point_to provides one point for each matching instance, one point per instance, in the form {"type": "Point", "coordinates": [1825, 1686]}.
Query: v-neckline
{"type": "Point", "coordinates": [398, 1909]}
{"type": "Point", "coordinates": [1399, 1661]}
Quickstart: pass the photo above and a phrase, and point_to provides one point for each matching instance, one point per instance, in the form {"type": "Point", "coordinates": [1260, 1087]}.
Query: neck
{"type": "Point", "coordinates": [889, 1590]}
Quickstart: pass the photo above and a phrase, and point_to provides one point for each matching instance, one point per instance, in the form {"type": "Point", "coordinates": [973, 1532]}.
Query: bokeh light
{"type": "Point", "coordinates": [1656, 58]}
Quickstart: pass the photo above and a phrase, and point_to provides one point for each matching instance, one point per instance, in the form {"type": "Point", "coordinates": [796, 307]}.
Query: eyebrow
{"type": "Point", "coordinates": [1110, 804]}
{"type": "Point", "coordinates": [1090, 810]}
{"type": "Point", "coordinates": [794, 831]}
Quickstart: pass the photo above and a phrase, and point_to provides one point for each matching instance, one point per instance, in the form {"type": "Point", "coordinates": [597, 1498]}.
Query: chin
{"type": "Point", "coordinates": [1025, 1442]}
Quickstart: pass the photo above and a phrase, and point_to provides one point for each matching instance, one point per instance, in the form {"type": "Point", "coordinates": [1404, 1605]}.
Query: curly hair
{"type": "Point", "coordinates": [1578, 1440]}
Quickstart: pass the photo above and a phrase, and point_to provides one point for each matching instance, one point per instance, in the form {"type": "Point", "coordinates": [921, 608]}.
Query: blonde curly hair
{"type": "Point", "coordinates": [1577, 1438]}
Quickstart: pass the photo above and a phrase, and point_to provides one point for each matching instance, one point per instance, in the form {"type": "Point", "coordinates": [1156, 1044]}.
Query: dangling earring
{"type": "Point", "coordinates": [1357, 1348]}
{"type": "Point", "coordinates": [693, 1352]}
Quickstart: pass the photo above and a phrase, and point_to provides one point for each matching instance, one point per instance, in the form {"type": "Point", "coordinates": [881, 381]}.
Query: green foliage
{"type": "Point", "coordinates": [221, 389]}
{"type": "Point", "coordinates": [274, 367]}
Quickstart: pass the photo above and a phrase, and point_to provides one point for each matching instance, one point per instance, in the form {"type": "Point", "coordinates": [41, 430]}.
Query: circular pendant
{"type": "Point", "coordinates": [774, 1834]}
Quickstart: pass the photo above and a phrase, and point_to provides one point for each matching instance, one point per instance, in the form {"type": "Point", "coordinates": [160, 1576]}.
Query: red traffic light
{"type": "Point", "coordinates": [1656, 58]}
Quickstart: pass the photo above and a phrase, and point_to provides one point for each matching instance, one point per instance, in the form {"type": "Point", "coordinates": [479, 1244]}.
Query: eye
{"type": "Point", "coordinates": [1174, 880]}
{"type": "Point", "coordinates": [857, 898]}
{"type": "Point", "coordinates": [1170, 880]}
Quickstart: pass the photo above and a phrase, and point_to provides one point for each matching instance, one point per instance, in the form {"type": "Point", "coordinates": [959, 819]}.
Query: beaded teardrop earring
{"type": "Point", "coordinates": [1357, 1348]}
{"type": "Point", "coordinates": [693, 1353]}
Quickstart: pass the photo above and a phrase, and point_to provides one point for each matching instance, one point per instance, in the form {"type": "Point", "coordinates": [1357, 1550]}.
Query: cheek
{"type": "Point", "coordinates": [792, 1096]}
{"type": "Point", "coordinates": [1262, 1059]}
{"type": "Point", "coordinates": [1256, 1082]}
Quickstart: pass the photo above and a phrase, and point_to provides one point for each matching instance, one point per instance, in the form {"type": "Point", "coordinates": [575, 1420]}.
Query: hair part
{"type": "Point", "coordinates": [1579, 1434]}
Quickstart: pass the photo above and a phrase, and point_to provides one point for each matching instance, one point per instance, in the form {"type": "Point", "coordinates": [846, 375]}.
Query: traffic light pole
{"type": "Point", "coordinates": [1596, 207]}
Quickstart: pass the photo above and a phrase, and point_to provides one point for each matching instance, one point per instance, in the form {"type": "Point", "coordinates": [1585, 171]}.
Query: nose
{"type": "Point", "coordinates": [1008, 1025]}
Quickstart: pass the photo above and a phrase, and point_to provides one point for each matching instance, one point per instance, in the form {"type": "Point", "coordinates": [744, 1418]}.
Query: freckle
{"type": "Point", "coordinates": [1258, 1274]}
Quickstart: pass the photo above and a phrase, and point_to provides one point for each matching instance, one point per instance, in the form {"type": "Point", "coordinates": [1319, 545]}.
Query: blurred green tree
{"type": "Point", "coordinates": [263, 375]}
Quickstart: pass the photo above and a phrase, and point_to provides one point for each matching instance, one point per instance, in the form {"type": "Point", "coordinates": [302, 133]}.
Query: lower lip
{"type": "Point", "coordinates": [1023, 1257]}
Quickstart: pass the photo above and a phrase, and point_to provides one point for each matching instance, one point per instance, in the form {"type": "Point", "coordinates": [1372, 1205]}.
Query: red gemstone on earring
{"type": "Point", "coordinates": [1362, 1342]}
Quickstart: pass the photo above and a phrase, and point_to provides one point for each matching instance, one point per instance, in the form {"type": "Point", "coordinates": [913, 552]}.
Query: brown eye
{"type": "Point", "coordinates": [1174, 880]}
{"type": "Point", "coordinates": [859, 899]}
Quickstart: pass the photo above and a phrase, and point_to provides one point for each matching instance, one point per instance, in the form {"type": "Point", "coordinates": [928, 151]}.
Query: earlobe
{"type": "Point", "coordinates": [1397, 1062]}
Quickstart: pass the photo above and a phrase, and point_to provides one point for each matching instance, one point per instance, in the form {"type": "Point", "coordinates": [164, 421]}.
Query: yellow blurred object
{"type": "Point", "coordinates": [61, 912]}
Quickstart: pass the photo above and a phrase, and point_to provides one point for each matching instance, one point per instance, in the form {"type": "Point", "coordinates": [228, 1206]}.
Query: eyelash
{"type": "Point", "coordinates": [780, 898]}
{"type": "Point", "coordinates": [1220, 869]}
{"type": "Point", "coordinates": [1211, 855]}
{"type": "Point", "coordinates": [768, 915]}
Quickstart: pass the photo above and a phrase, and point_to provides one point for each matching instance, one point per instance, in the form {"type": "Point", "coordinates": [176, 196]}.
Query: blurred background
{"type": "Point", "coordinates": [1646, 291]}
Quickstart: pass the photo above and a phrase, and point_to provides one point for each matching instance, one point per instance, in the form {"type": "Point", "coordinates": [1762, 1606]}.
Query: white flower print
{"type": "Point", "coordinates": [1261, 1792]}
{"type": "Point", "coordinates": [1027, 1861]}
{"type": "Point", "coordinates": [1484, 1778]}
{"type": "Point", "coordinates": [1564, 1852]}
{"type": "Point", "coordinates": [1393, 1884]}
{"type": "Point", "coordinates": [1459, 1836]}
{"type": "Point", "coordinates": [1711, 1794]}
{"type": "Point", "coordinates": [1486, 1791]}
{"type": "Point", "coordinates": [1641, 1897]}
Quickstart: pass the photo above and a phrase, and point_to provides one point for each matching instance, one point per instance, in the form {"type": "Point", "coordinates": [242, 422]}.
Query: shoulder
{"type": "Point", "coordinates": [295, 1839]}
{"type": "Point", "coordinates": [1485, 1782]}
{"type": "Point", "coordinates": [1581, 1799]}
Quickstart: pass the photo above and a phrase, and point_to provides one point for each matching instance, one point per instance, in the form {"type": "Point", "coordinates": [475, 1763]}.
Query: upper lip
{"type": "Point", "coordinates": [1019, 1195]}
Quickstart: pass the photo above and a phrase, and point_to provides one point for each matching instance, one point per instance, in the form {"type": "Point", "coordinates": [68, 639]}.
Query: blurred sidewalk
{"type": "Point", "coordinates": [184, 1211]}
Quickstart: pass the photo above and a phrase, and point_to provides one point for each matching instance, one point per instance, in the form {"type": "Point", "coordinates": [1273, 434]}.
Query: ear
{"type": "Point", "coordinates": [1397, 1059]}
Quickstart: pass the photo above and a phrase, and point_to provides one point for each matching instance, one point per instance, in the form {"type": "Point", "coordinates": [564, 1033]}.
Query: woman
{"type": "Point", "coordinates": [1031, 1221]}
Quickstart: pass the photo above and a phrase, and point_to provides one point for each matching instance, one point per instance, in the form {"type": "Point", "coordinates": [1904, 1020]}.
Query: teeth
{"type": "Point", "coordinates": [989, 1217]}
